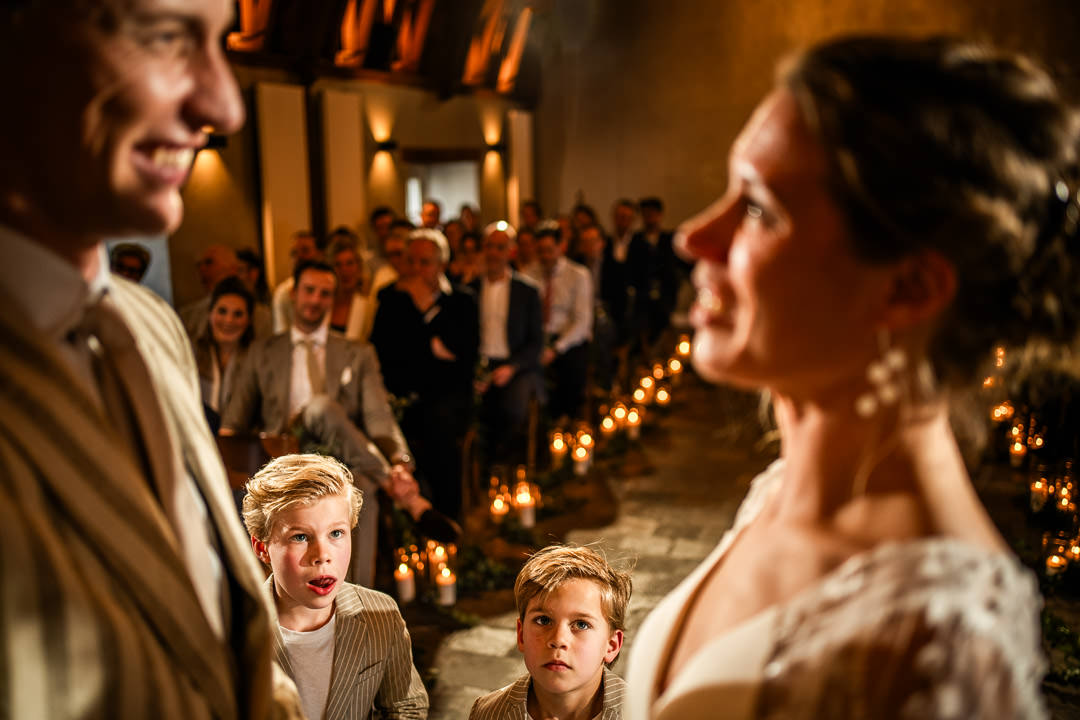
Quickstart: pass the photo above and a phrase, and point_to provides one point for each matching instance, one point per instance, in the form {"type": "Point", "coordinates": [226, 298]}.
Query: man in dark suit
{"type": "Point", "coordinates": [654, 273]}
{"type": "Point", "coordinates": [426, 335]}
{"type": "Point", "coordinates": [130, 590]}
{"type": "Point", "coordinates": [332, 387]}
{"type": "Point", "coordinates": [511, 340]}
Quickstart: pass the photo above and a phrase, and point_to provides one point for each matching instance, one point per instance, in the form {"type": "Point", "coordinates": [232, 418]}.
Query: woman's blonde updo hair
{"type": "Point", "coordinates": [972, 152]}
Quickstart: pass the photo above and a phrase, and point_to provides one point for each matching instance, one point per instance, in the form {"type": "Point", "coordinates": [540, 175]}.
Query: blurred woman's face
{"type": "Point", "coordinates": [229, 319]}
{"type": "Point", "coordinates": [782, 301]}
{"type": "Point", "coordinates": [347, 268]}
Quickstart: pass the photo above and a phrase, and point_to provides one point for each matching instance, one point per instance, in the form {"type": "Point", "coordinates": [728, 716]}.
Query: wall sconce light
{"type": "Point", "coordinates": [216, 142]}
{"type": "Point", "coordinates": [386, 146]}
{"type": "Point", "coordinates": [499, 147]}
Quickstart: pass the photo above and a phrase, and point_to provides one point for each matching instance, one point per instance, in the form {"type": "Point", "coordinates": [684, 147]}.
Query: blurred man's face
{"type": "Point", "coordinates": [130, 267]}
{"type": "Point", "coordinates": [303, 249]}
{"type": "Point", "coordinates": [348, 268]}
{"type": "Point", "coordinates": [108, 108]}
{"type": "Point", "coordinates": [216, 263]}
{"type": "Point", "coordinates": [395, 254]}
{"type": "Point", "coordinates": [623, 219]}
{"type": "Point", "coordinates": [496, 252]}
{"type": "Point", "coordinates": [592, 243]}
{"type": "Point", "coordinates": [381, 227]}
{"type": "Point", "coordinates": [526, 248]}
{"type": "Point", "coordinates": [313, 297]}
{"type": "Point", "coordinates": [650, 218]}
{"type": "Point", "coordinates": [429, 215]}
{"type": "Point", "coordinates": [425, 262]}
{"type": "Point", "coordinates": [548, 251]}
{"type": "Point", "coordinates": [529, 216]}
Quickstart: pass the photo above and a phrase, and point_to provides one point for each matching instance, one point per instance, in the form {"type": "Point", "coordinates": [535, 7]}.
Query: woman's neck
{"type": "Point", "coordinates": [225, 352]}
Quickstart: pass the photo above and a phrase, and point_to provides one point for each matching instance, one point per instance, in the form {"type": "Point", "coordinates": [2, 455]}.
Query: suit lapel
{"type": "Point", "coordinates": [351, 653]}
{"type": "Point", "coordinates": [335, 365]}
{"type": "Point", "coordinates": [95, 483]}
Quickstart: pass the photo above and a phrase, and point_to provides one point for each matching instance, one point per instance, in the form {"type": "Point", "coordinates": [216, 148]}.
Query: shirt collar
{"type": "Point", "coordinates": [50, 291]}
{"type": "Point", "coordinates": [318, 337]}
{"type": "Point", "coordinates": [502, 278]}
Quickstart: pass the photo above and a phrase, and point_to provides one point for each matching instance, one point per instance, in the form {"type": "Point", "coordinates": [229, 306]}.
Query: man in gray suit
{"type": "Point", "coordinates": [127, 587]}
{"type": "Point", "coordinates": [332, 389]}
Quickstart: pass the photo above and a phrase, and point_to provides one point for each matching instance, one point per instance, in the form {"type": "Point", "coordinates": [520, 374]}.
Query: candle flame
{"type": "Point", "coordinates": [558, 444]}
{"type": "Point", "coordinates": [445, 572]}
{"type": "Point", "coordinates": [662, 396]}
{"type": "Point", "coordinates": [403, 569]}
{"type": "Point", "coordinates": [607, 423]}
{"type": "Point", "coordinates": [674, 365]}
{"type": "Point", "coordinates": [646, 382]}
{"type": "Point", "coordinates": [633, 417]}
{"type": "Point", "coordinates": [639, 395]}
{"type": "Point", "coordinates": [498, 504]}
{"type": "Point", "coordinates": [619, 412]}
{"type": "Point", "coordinates": [581, 453]}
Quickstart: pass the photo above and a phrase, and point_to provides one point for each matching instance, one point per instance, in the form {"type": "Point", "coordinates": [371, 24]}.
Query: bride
{"type": "Point", "coordinates": [895, 208]}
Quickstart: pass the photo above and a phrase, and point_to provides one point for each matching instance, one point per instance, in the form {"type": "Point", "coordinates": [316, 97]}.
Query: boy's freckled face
{"type": "Point", "coordinates": [566, 639]}
{"type": "Point", "coordinates": [309, 551]}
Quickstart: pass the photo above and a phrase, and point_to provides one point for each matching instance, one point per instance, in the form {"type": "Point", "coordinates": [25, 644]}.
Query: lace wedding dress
{"type": "Point", "coordinates": [933, 629]}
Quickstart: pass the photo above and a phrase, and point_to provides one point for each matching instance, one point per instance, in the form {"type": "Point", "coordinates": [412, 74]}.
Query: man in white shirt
{"type": "Point", "coordinates": [511, 339]}
{"type": "Point", "coordinates": [304, 249]}
{"type": "Point", "coordinates": [566, 292]}
{"type": "Point", "coordinates": [333, 389]}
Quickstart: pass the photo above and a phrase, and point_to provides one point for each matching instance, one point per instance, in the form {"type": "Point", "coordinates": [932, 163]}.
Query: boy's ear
{"type": "Point", "coordinates": [921, 287]}
{"type": "Point", "coordinates": [260, 550]}
{"type": "Point", "coordinates": [614, 646]}
{"type": "Point", "coordinates": [520, 638]}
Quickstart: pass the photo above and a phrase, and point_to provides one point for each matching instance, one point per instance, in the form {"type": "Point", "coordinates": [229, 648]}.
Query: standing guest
{"type": "Point", "coordinates": [511, 339]}
{"type": "Point", "coordinates": [129, 260]}
{"type": "Point", "coordinates": [607, 292]}
{"type": "Point", "coordinates": [567, 304]}
{"type": "Point", "coordinates": [332, 389]}
{"type": "Point", "coordinates": [379, 226]}
{"type": "Point", "coordinates": [654, 273]}
{"type": "Point", "coordinates": [471, 262]}
{"type": "Point", "coordinates": [453, 231]}
{"type": "Point", "coordinates": [571, 618]}
{"type": "Point", "coordinates": [581, 217]}
{"type": "Point", "coordinates": [129, 588]}
{"type": "Point", "coordinates": [430, 212]}
{"type": "Point", "coordinates": [622, 218]}
{"type": "Point", "coordinates": [525, 257]}
{"type": "Point", "coordinates": [346, 646]}
{"type": "Point", "coordinates": [616, 274]}
{"type": "Point", "coordinates": [426, 337]}
{"type": "Point", "coordinates": [222, 345]}
{"type": "Point", "coordinates": [861, 266]}
{"type": "Point", "coordinates": [531, 215]}
{"type": "Point", "coordinates": [351, 315]}
{"type": "Point", "coordinates": [304, 248]}
{"type": "Point", "coordinates": [468, 218]}
{"type": "Point", "coordinates": [397, 264]}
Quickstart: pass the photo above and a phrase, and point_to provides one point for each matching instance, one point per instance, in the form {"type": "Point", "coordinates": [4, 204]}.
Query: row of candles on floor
{"type": "Point", "coordinates": [1025, 434]}
{"type": "Point", "coordinates": [524, 499]}
{"type": "Point", "coordinates": [1056, 493]}
{"type": "Point", "coordinates": [433, 565]}
{"type": "Point", "coordinates": [1061, 550]}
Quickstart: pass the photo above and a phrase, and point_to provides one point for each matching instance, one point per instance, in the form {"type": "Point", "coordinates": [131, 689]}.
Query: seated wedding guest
{"type": "Point", "coordinates": [426, 336]}
{"type": "Point", "coordinates": [397, 264]}
{"type": "Point", "coordinates": [252, 271]}
{"type": "Point", "coordinates": [571, 618]}
{"type": "Point", "coordinates": [607, 291]}
{"type": "Point", "coordinates": [897, 207]}
{"type": "Point", "coordinates": [468, 219]}
{"type": "Point", "coordinates": [216, 263]}
{"type": "Point", "coordinates": [581, 217]}
{"type": "Point", "coordinates": [429, 214]}
{"type": "Point", "coordinates": [511, 339]}
{"type": "Point", "coordinates": [129, 589]}
{"type": "Point", "coordinates": [129, 260]}
{"type": "Point", "coordinates": [379, 226]}
{"type": "Point", "coordinates": [525, 257]}
{"type": "Point", "coordinates": [332, 389]}
{"type": "Point", "coordinates": [567, 305]}
{"type": "Point", "coordinates": [471, 265]}
{"type": "Point", "coordinates": [351, 314]}
{"type": "Point", "coordinates": [222, 345]}
{"type": "Point", "coordinates": [304, 248]}
{"type": "Point", "coordinates": [531, 215]}
{"type": "Point", "coordinates": [345, 646]}
{"type": "Point", "coordinates": [453, 230]}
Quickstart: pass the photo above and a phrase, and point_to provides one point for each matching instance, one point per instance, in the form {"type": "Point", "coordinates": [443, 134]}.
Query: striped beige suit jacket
{"type": "Point", "coordinates": [510, 703]}
{"type": "Point", "coordinates": [373, 665]}
{"type": "Point", "coordinates": [98, 616]}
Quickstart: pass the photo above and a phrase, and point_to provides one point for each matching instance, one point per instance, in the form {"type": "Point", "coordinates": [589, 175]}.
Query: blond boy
{"type": "Point", "coordinates": [571, 615]}
{"type": "Point", "coordinates": [345, 646]}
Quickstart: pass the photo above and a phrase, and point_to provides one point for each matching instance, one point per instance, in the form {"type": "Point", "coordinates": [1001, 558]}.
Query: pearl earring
{"type": "Point", "coordinates": [885, 375]}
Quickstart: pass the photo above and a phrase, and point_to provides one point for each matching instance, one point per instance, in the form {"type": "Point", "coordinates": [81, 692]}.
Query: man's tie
{"type": "Point", "coordinates": [131, 404]}
{"type": "Point", "coordinates": [314, 368]}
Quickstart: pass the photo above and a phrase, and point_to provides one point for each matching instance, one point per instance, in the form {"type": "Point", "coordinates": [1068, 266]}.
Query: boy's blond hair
{"type": "Point", "coordinates": [549, 568]}
{"type": "Point", "coordinates": [292, 480]}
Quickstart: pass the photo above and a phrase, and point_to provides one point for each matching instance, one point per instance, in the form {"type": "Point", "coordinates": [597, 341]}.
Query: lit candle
{"type": "Point", "coordinates": [1039, 493]}
{"type": "Point", "coordinates": [1002, 412]}
{"type": "Point", "coordinates": [406, 583]}
{"type": "Point", "coordinates": [1017, 451]}
{"type": "Point", "coordinates": [619, 414]}
{"type": "Point", "coordinates": [585, 440]}
{"type": "Point", "coordinates": [647, 382]}
{"type": "Point", "coordinates": [639, 396]}
{"type": "Point", "coordinates": [1055, 565]}
{"type": "Point", "coordinates": [663, 397]}
{"type": "Point", "coordinates": [999, 356]}
{"type": "Point", "coordinates": [658, 371]}
{"type": "Point", "coordinates": [581, 460]}
{"type": "Point", "coordinates": [674, 370]}
{"type": "Point", "coordinates": [499, 509]}
{"type": "Point", "coordinates": [446, 581]}
{"type": "Point", "coordinates": [633, 423]}
{"type": "Point", "coordinates": [607, 428]}
{"type": "Point", "coordinates": [683, 348]}
{"type": "Point", "coordinates": [558, 450]}
{"type": "Point", "coordinates": [526, 506]}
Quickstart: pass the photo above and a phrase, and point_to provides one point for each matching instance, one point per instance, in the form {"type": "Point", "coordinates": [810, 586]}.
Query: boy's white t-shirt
{"type": "Point", "coordinates": [311, 655]}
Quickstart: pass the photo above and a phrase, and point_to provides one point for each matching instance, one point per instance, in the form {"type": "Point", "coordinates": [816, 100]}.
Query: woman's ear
{"type": "Point", "coordinates": [923, 285]}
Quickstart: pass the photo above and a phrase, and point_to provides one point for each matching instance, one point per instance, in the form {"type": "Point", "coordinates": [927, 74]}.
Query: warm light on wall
{"type": "Point", "coordinates": [208, 173]}
{"type": "Point", "coordinates": [491, 123]}
{"type": "Point", "coordinates": [382, 168]}
{"type": "Point", "coordinates": [380, 120]}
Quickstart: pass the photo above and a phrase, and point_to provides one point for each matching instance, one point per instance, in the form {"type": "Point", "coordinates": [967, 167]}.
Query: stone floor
{"type": "Point", "coordinates": [675, 495]}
